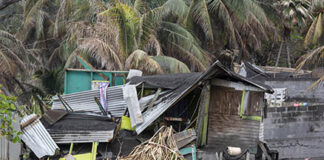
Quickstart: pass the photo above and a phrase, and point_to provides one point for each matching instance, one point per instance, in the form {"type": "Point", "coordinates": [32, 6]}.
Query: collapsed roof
{"type": "Point", "coordinates": [179, 85]}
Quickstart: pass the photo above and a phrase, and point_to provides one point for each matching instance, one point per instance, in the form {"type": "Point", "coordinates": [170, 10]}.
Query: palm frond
{"type": "Point", "coordinates": [140, 60]}
{"type": "Point", "coordinates": [34, 23]}
{"type": "Point", "coordinates": [127, 20]}
{"type": "Point", "coordinates": [318, 6]}
{"type": "Point", "coordinates": [318, 29]}
{"type": "Point", "coordinates": [171, 65]}
{"type": "Point", "coordinates": [98, 50]}
{"type": "Point", "coordinates": [140, 6]}
{"type": "Point", "coordinates": [62, 15]}
{"type": "Point", "coordinates": [153, 47]}
{"type": "Point", "coordinates": [29, 4]}
{"type": "Point", "coordinates": [181, 44]}
{"type": "Point", "coordinates": [199, 12]}
{"type": "Point", "coordinates": [310, 33]}
{"type": "Point", "coordinates": [16, 46]}
{"type": "Point", "coordinates": [220, 10]}
{"type": "Point", "coordinates": [316, 83]}
{"type": "Point", "coordinates": [311, 57]}
{"type": "Point", "coordinates": [151, 20]}
{"type": "Point", "coordinates": [82, 12]}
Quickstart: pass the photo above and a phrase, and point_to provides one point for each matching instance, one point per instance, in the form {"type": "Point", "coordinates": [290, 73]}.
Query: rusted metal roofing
{"type": "Point", "coordinates": [181, 84]}
{"type": "Point", "coordinates": [37, 138]}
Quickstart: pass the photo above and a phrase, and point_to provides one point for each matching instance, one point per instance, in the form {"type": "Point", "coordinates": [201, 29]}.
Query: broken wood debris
{"type": "Point", "coordinates": [185, 137]}
{"type": "Point", "coordinates": [160, 146]}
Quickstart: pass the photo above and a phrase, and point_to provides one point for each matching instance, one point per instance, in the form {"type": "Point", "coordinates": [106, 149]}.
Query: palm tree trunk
{"type": "Point", "coordinates": [277, 61]}
{"type": "Point", "coordinates": [288, 56]}
{"type": "Point", "coordinates": [270, 53]}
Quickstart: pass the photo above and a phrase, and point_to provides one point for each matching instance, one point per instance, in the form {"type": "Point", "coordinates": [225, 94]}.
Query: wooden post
{"type": "Point", "coordinates": [202, 123]}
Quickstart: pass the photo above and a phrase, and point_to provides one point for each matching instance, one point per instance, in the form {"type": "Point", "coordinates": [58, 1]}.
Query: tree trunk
{"type": "Point", "coordinates": [288, 56]}
{"type": "Point", "coordinates": [277, 61]}
{"type": "Point", "coordinates": [270, 53]}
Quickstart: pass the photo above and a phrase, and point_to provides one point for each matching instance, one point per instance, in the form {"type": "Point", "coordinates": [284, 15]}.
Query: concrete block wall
{"type": "Point", "coordinates": [297, 89]}
{"type": "Point", "coordinates": [296, 132]}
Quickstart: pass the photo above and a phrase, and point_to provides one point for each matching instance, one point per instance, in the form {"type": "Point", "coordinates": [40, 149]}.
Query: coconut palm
{"type": "Point", "coordinates": [295, 12]}
{"type": "Point", "coordinates": [313, 37]}
{"type": "Point", "coordinates": [123, 29]}
{"type": "Point", "coordinates": [315, 31]}
{"type": "Point", "coordinates": [240, 24]}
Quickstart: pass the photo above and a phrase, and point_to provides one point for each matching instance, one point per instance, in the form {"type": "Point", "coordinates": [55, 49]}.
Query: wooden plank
{"type": "Point", "coordinates": [185, 137]}
{"type": "Point", "coordinates": [205, 117]}
{"type": "Point", "coordinates": [200, 117]}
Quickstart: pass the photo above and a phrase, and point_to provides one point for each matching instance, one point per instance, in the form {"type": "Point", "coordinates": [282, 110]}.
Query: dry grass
{"type": "Point", "coordinates": [161, 146]}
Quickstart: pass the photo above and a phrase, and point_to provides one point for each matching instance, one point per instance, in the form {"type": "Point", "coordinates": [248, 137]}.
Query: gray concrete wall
{"type": "Point", "coordinates": [13, 151]}
{"type": "Point", "coordinates": [297, 89]}
{"type": "Point", "coordinates": [9, 149]}
{"type": "Point", "coordinates": [296, 132]}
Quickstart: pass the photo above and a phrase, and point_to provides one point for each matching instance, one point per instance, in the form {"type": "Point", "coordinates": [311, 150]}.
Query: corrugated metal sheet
{"type": "Point", "coordinates": [231, 130]}
{"type": "Point", "coordinates": [82, 136]}
{"type": "Point", "coordinates": [84, 101]}
{"type": "Point", "coordinates": [37, 138]}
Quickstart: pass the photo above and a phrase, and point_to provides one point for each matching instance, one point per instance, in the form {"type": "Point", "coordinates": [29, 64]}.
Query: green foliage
{"type": "Point", "coordinates": [7, 118]}
{"type": "Point", "coordinates": [171, 65]}
{"type": "Point", "coordinates": [156, 36]}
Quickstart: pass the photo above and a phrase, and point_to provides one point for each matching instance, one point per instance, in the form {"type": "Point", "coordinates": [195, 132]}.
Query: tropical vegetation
{"type": "Point", "coordinates": [39, 39]}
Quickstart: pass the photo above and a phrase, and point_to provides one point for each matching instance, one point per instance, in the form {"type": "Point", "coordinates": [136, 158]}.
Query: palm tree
{"type": "Point", "coordinates": [134, 29]}
{"type": "Point", "coordinates": [314, 36]}
{"type": "Point", "coordinates": [167, 36]}
{"type": "Point", "coordinates": [295, 12]}
{"type": "Point", "coordinates": [240, 24]}
{"type": "Point", "coordinates": [17, 66]}
{"type": "Point", "coordinates": [315, 31]}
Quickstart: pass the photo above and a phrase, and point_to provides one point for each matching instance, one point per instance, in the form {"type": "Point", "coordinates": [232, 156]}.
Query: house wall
{"type": "Point", "coordinates": [225, 127]}
{"type": "Point", "coordinates": [296, 132]}
{"type": "Point", "coordinates": [297, 89]}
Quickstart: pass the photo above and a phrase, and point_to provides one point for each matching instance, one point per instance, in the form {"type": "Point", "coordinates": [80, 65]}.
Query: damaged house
{"type": "Point", "coordinates": [293, 123]}
{"type": "Point", "coordinates": [212, 110]}
{"type": "Point", "coordinates": [227, 110]}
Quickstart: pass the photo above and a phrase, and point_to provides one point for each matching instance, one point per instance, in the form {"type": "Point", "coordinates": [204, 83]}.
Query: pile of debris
{"type": "Point", "coordinates": [160, 146]}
